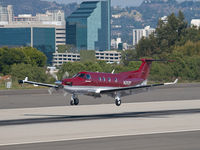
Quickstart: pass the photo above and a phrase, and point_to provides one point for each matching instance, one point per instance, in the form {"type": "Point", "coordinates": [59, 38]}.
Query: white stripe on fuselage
{"type": "Point", "coordinates": [92, 89]}
{"type": "Point", "coordinates": [85, 89]}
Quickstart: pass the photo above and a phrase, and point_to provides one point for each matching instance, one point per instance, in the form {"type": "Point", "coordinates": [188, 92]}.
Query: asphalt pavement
{"type": "Point", "coordinates": [174, 125]}
{"type": "Point", "coordinates": [166, 141]}
{"type": "Point", "coordinates": [41, 98]}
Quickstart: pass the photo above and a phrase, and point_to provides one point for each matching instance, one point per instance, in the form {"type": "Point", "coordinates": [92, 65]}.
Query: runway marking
{"type": "Point", "coordinates": [96, 137]}
{"type": "Point", "coordinates": [101, 121]}
{"type": "Point", "coordinates": [63, 118]}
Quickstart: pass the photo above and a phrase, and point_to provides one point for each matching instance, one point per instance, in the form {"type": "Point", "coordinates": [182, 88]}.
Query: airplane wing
{"type": "Point", "coordinates": [133, 88]}
{"type": "Point", "coordinates": [37, 83]}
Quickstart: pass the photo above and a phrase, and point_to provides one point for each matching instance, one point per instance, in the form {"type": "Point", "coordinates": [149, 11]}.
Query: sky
{"type": "Point", "coordinates": [122, 3]}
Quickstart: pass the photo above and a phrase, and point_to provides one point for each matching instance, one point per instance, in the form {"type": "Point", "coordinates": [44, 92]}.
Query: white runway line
{"type": "Point", "coordinates": [70, 130]}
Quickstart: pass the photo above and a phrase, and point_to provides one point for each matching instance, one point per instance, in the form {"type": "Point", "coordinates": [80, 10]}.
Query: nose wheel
{"type": "Point", "coordinates": [74, 100]}
{"type": "Point", "coordinates": [118, 101]}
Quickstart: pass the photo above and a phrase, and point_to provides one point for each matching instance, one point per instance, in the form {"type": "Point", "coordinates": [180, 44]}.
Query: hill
{"type": "Point", "coordinates": [38, 6]}
{"type": "Point", "coordinates": [148, 13]}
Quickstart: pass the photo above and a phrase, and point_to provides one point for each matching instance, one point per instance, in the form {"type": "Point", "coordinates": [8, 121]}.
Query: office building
{"type": "Point", "coordinates": [139, 33]}
{"type": "Point", "coordinates": [43, 38]}
{"type": "Point", "coordinates": [6, 14]}
{"type": "Point", "coordinates": [43, 31]}
{"type": "Point", "coordinates": [108, 56]}
{"type": "Point", "coordinates": [88, 28]}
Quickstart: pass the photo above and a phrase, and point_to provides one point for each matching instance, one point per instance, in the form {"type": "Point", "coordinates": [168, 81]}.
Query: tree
{"type": "Point", "coordinates": [87, 55]}
{"type": "Point", "coordinates": [9, 57]}
{"type": "Point", "coordinates": [71, 68]}
{"type": "Point", "coordinates": [34, 73]}
{"type": "Point", "coordinates": [66, 48]}
{"type": "Point", "coordinates": [34, 56]}
{"type": "Point", "coordinates": [26, 55]}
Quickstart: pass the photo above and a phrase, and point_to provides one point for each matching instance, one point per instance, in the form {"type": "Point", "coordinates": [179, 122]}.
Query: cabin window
{"type": "Point", "coordinates": [109, 79]}
{"type": "Point", "coordinates": [88, 76]}
{"type": "Point", "coordinates": [116, 80]}
{"type": "Point", "coordinates": [99, 78]}
{"type": "Point", "coordinates": [104, 79]}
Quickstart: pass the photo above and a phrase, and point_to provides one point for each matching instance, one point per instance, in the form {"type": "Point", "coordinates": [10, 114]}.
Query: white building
{"type": "Point", "coordinates": [195, 22]}
{"type": "Point", "coordinates": [115, 43]}
{"type": "Point", "coordinates": [54, 19]}
{"type": "Point", "coordinates": [139, 33]}
{"type": "Point", "coordinates": [108, 56]}
{"type": "Point", "coordinates": [6, 14]}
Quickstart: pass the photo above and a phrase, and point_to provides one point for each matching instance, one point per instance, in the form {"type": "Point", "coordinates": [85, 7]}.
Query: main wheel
{"type": "Point", "coordinates": [72, 102]}
{"type": "Point", "coordinates": [76, 101]}
{"type": "Point", "coordinates": [118, 102]}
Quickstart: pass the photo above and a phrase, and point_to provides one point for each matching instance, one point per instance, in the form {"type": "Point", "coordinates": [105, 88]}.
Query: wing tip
{"type": "Point", "coordinates": [172, 83]}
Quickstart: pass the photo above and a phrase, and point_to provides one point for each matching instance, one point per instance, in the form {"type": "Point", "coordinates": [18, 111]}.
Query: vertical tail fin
{"type": "Point", "coordinates": [145, 67]}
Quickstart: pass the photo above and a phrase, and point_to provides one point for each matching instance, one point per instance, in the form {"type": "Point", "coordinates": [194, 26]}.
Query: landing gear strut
{"type": "Point", "coordinates": [118, 101]}
{"type": "Point", "coordinates": [74, 100]}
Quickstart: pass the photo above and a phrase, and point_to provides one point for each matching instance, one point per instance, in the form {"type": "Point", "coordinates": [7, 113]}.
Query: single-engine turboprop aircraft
{"type": "Point", "coordinates": [97, 84]}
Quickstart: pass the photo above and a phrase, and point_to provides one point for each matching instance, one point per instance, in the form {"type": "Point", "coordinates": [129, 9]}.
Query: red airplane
{"type": "Point", "coordinates": [97, 84]}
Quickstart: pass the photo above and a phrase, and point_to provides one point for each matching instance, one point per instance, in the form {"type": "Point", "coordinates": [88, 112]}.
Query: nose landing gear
{"type": "Point", "coordinates": [118, 101]}
{"type": "Point", "coordinates": [74, 100]}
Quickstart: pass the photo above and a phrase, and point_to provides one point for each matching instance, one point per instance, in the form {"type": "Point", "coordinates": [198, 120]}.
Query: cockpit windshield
{"type": "Point", "coordinates": [81, 75]}
{"type": "Point", "coordinates": [74, 75]}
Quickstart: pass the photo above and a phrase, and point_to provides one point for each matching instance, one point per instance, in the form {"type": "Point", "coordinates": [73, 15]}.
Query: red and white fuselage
{"type": "Point", "coordinates": [115, 85]}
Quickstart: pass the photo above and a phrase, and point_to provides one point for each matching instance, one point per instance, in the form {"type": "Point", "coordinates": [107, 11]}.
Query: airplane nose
{"type": "Point", "coordinates": [67, 82]}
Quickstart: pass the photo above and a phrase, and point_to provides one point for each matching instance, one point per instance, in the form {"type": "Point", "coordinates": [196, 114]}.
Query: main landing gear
{"type": "Point", "coordinates": [118, 101]}
{"type": "Point", "coordinates": [74, 100]}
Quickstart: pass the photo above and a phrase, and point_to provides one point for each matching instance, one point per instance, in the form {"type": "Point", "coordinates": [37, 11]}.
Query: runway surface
{"type": "Point", "coordinates": [164, 141]}
{"type": "Point", "coordinates": [41, 98]}
{"type": "Point", "coordinates": [163, 119]}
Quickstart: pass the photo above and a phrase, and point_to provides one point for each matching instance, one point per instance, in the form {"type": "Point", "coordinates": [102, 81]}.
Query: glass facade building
{"type": "Point", "coordinates": [41, 38]}
{"type": "Point", "coordinates": [44, 40]}
{"type": "Point", "coordinates": [15, 37]}
{"type": "Point", "coordinates": [88, 28]}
